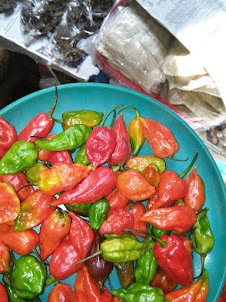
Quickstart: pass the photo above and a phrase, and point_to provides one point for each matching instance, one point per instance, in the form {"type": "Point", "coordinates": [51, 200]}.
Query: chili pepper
{"type": "Point", "coordinates": [43, 154]}
{"type": "Point", "coordinates": [81, 157]}
{"type": "Point", "coordinates": [151, 174]}
{"type": "Point", "coordinates": [5, 261]}
{"type": "Point", "coordinates": [222, 297]}
{"type": "Point", "coordinates": [195, 196]}
{"type": "Point", "coordinates": [179, 219]}
{"type": "Point", "coordinates": [21, 242]}
{"type": "Point", "coordinates": [135, 132]}
{"type": "Point", "coordinates": [91, 288]}
{"type": "Point", "coordinates": [41, 125]}
{"type": "Point", "coordinates": [203, 238]}
{"type": "Point", "coordinates": [161, 280]}
{"type": "Point", "coordinates": [146, 266]}
{"type": "Point", "coordinates": [33, 211]}
{"type": "Point", "coordinates": [139, 163]}
{"type": "Point", "coordinates": [138, 211]}
{"type": "Point", "coordinates": [62, 177]}
{"type": "Point", "coordinates": [160, 138]}
{"type": "Point", "coordinates": [98, 268]}
{"type": "Point", "coordinates": [50, 280]}
{"type": "Point", "coordinates": [61, 264]}
{"type": "Point", "coordinates": [12, 296]}
{"type": "Point", "coordinates": [33, 172]}
{"type": "Point", "coordinates": [178, 202]}
{"type": "Point", "coordinates": [158, 233]}
{"type": "Point", "coordinates": [79, 287]}
{"type": "Point", "coordinates": [53, 229]}
{"type": "Point", "coordinates": [98, 212]}
{"type": "Point", "coordinates": [95, 186]}
{"type": "Point", "coordinates": [123, 148]}
{"type": "Point", "coordinates": [125, 272]}
{"type": "Point", "coordinates": [81, 234]}
{"type": "Point", "coordinates": [63, 156]}
{"type": "Point", "coordinates": [116, 199]}
{"type": "Point", "coordinates": [174, 259]}
{"type": "Point", "coordinates": [17, 181]}
{"type": "Point", "coordinates": [86, 117]}
{"type": "Point", "coordinates": [9, 203]}
{"type": "Point", "coordinates": [187, 243]}
{"type": "Point", "coordinates": [195, 292]}
{"type": "Point", "coordinates": [101, 143]}
{"type": "Point", "coordinates": [125, 235]}
{"type": "Point", "coordinates": [28, 277]}
{"type": "Point", "coordinates": [62, 292]}
{"type": "Point", "coordinates": [138, 292]}
{"type": "Point", "coordinates": [70, 139]}
{"type": "Point", "coordinates": [117, 220]}
{"type": "Point", "coordinates": [81, 209]}
{"type": "Point", "coordinates": [151, 201]}
{"type": "Point", "coordinates": [21, 156]}
{"type": "Point", "coordinates": [106, 295]}
{"type": "Point", "coordinates": [134, 186]}
{"type": "Point", "coordinates": [8, 136]}
{"type": "Point", "coordinates": [3, 293]}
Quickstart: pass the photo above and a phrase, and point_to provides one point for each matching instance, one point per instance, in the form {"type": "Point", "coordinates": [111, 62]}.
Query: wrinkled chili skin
{"type": "Point", "coordinates": [62, 292]}
{"type": "Point", "coordinates": [8, 136]}
{"type": "Point", "coordinates": [162, 281]}
{"type": "Point", "coordinates": [86, 117]}
{"type": "Point", "coordinates": [98, 213]}
{"type": "Point", "coordinates": [60, 156]}
{"type": "Point", "coordinates": [5, 261]}
{"type": "Point", "coordinates": [81, 209]}
{"type": "Point", "coordinates": [116, 199]}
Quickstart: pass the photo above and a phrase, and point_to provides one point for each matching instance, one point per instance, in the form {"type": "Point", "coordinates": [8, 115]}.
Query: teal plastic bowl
{"type": "Point", "coordinates": [102, 97]}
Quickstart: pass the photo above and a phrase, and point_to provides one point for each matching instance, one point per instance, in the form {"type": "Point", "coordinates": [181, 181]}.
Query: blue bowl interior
{"type": "Point", "coordinates": [102, 97]}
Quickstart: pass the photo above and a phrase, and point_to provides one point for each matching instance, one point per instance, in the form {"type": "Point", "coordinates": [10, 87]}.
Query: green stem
{"type": "Point", "coordinates": [173, 158]}
{"type": "Point", "coordinates": [134, 108]}
{"type": "Point", "coordinates": [182, 175]}
{"type": "Point", "coordinates": [107, 115]}
{"type": "Point", "coordinates": [57, 120]}
{"type": "Point", "coordinates": [89, 257]}
{"type": "Point", "coordinates": [50, 113]}
{"type": "Point", "coordinates": [112, 120]}
{"type": "Point", "coordinates": [202, 267]}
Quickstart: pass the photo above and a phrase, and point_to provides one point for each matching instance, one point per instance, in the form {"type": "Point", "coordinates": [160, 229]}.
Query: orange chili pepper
{"type": "Point", "coordinates": [138, 211]}
{"type": "Point", "coordinates": [116, 199]}
{"type": "Point", "coordinates": [79, 286]}
{"type": "Point", "coordinates": [134, 186]}
{"type": "Point", "coordinates": [62, 292]}
{"type": "Point", "coordinates": [5, 263]}
{"type": "Point", "coordinates": [151, 174]}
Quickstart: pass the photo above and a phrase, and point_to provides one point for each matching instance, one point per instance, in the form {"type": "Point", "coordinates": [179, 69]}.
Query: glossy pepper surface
{"type": "Point", "coordinates": [95, 186]}
{"type": "Point", "coordinates": [98, 213]}
{"type": "Point", "coordinates": [62, 292]}
{"type": "Point", "coordinates": [146, 266]}
{"type": "Point", "coordinates": [161, 280]}
{"type": "Point", "coordinates": [5, 263]}
{"type": "Point", "coordinates": [33, 172]}
{"type": "Point", "coordinates": [125, 272]}
{"type": "Point", "coordinates": [81, 157]}
{"type": "Point", "coordinates": [79, 287]}
{"type": "Point", "coordinates": [21, 156]}
{"type": "Point", "coordinates": [43, 154]}
{"type": "Point", "coordinates": [9, 203]}
{"type": "Point", "coordinates": [28, 277]}
{"type": "Point", "coordinates": [179, 218]}
{"type": "Point", "coordinates": [138, 292]}
{"type": "Point", "coordinates": [174, 259]}
{"type": "Point", "coordinates": [151, 174]}
{"type": "Point", "coordinates": [158, 233]}
{"type": "Point", "coordinates": [134, 186]}
{"type": "Point", "coordinates": [195, 196]}
{"type": "Point", "coordinates": [81, 209]}
{"type": "Point", "coordinates": [139, 163]}
{"type": "Point", "coordinates": [70, 139]}
{"type": "Point", "coordinates": [62, 177]}
{"type": "Point", "coordinates": [138, 211]}
{"type": "Point", "coordinates": [116, 199]}
{"type": "Point", "coordinates": [63, 156]}
{"type": "Point", "coordinates": [3, 293]}
{"type": "Point", "coordinates": [160, 138]}
{"type": "Point", "coordinates": [8, 136]}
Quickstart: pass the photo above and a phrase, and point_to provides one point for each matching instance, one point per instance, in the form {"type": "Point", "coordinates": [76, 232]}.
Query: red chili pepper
{"type": "Point", "coordinates": [160, 138]}
{"type": "Point", "coordinates": [21, 242]}
{"type": "Point", "coordinates": [222, 297]}
{"type": "Point", "coordinates": [8, 136]}
{"type": "Point", "coordinates": [41, 125]}
{"type": "Point", "coordinates": [174, 259]}
{"type": "Point", "coordinates": [116, 199]}
{"type": "Point", "coordinates": [134, 186]}
{"type": "Point", "coordinates": [60, 156]}
{"type": "Point", "coordinates": [43, 154]}
{"type": "Point", "coordinates": [106, 296]}
{"type": "Point", "coordinates": [138, 211]}
{"type": "Point", "coordinates": [187, 243]}
{"type": "Point", "coordinates": [178, 219]}
{"type": "Point", "coordinates": [53, 229]}
{"type": "Point", "coordinates": [4, 258]}
{"type": "Point", "coordinates": [3, 293]}
{"type": "Point", "coordinates": [117, 220]}
{"type": "Point", "coordinates": [91, 288]}
{"type": "Point", "coordinates": [33, 211]}
{"type": "Point", "coordinates": [95, 186]}
{"type": "Point", "coordinates": [79, 286]}
{"type": "Point", "coordinates": [62, 293]}
{"type": "Point", "coordinates": [9, 203]}
{"type": "Point", "coordinates": [170, 188]}
{"type": "Point", "coordinates": [151, 174]}
{"type": "Point", "coordinates": [17, 181]}
{"type": "Point", "coordinates": [123, 148]}
{"type": "Point", "coordinates": [162, 281]}
{"type": "Point", "coordinates": [195, 196]}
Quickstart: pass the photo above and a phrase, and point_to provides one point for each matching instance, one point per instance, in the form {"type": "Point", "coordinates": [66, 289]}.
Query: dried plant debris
{"type": "Point", "coordinates": [7, 5]}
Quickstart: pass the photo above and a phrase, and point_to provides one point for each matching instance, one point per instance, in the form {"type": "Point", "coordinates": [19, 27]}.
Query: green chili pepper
{"type": "Point", "coordinates": [21, 156]}
{"type": "Point", "coordinates": [138, 292]}
{"type": "Point", "coordinates": [139, 163]}
{"type": "Point", "coordinates": [146, 266]}
{"type": "Point", "coordinates": [158, 233]}
{"type": "Point", "coordinates": [203, 239]}
{"type": "Point", "coordinates": [28, 277]}
{"type": "Point", "coordinates": [125, 272]}
{"type": "Point", "coordinates": [33, 172]}
{"type": "Point", "coordinates": [85, 117]}
{"type": "Point", "coordinates": [81, 157]}
{"type": "Point", "coordinates": [98, 213]}
{"type": "Point", "coordinates": [72, 138]}
{"type": "Point", "coordinates": [126, 235]}
{"type": "Point", "coordinates": [12, 296]}
{"type": "Point", "coordinates": [50, 280]}
{"type": "Point", "coordinates": [81, 209]}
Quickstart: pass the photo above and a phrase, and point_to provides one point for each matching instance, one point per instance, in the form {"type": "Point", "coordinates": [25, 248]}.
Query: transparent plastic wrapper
{"type": "Point", "coordinates": [133, 46]}
{"type": "Point", "coordinates": [6, 6]}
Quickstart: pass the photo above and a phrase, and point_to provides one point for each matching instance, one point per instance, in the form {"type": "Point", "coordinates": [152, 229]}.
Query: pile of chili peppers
{"type": "Point", "coordinates": [100, 207]}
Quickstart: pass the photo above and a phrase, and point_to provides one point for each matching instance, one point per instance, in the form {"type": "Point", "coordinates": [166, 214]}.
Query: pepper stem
{"type": "Point", "coordinates": [89, 257]}
{"type": "Point", "coordinates": [202, 267]}
{"type": "Point", "coordinates": [134, 108]}
{"type": "Point", "coordinates": [160, 241]}
{"type": "Point", "coordinates": [133, 204]}
{"type": "Point", "coordinates": [57, 120]}
{"type": "Point", "coordinates": [50, 113]}
{"type": "Point", "coordinates": [173, 158]}
{"type": "Point", "coordinates": [182, 175]}
{"type": "Point", "coordinates": [107, 115]}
